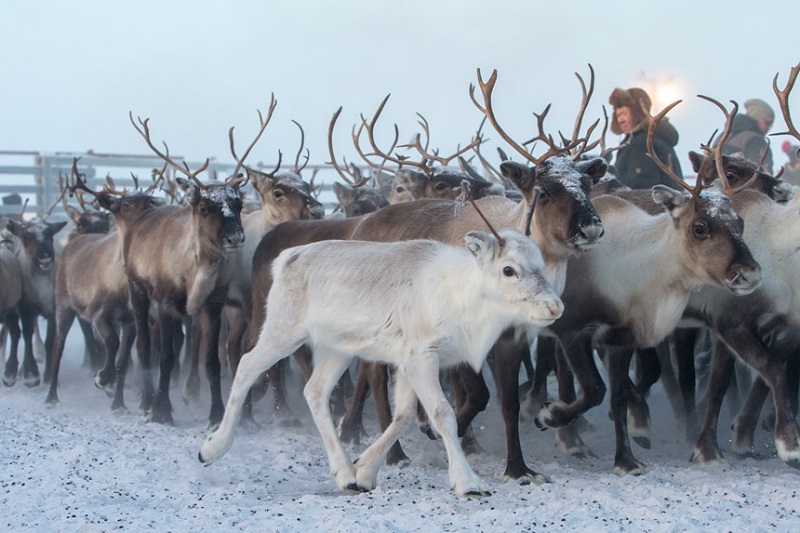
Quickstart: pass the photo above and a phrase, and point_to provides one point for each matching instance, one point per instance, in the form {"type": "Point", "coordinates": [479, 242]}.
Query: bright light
{"type": "Point", "coordinates": [663, 91]}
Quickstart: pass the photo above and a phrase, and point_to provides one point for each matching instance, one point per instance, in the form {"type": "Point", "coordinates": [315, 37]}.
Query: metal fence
{"type": "Point", "coordinates": [34, 177]}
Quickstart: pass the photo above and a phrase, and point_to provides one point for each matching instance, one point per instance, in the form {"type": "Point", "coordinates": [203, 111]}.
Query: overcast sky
{"type": "Point", "coordinates": [71, 71]}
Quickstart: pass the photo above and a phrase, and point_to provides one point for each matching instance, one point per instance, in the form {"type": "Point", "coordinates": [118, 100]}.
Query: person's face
{"type": "Point", "coordinates": [764, 124]}
{"type": "Point", "coordinates": [624, 118]}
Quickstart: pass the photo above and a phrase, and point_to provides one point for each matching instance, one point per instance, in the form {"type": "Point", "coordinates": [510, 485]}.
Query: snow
{"type": "Point", "coordinates": [80, 467]}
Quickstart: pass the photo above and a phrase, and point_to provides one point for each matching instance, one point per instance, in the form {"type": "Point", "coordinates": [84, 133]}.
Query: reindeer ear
{"type": "Point", "coordinates": [522, 176]}
{"type": "Point", "coordinates": [595, 168]}
{"type": "Point", "coordinates": [262, 182]}
{"type": "Point", "coordinates": [72, 213]}
{"type": "Point", "coordinates": [696, 159]}
{"type": "Point", "coordinates": [669, 198]}
{"type": "Point", "coordinates": [345, 195]}
{"type": "Point", "coordinates": [14, 226]}
{"type": "Point", "coordinates": [481, 245]}
{"type": "Point", "coordinates": [190, 188]}
{"type": "Point", "coordinates": [55, 227]}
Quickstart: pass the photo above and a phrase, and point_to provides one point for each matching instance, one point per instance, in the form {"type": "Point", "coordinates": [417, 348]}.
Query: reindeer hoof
{"type": "Point", "coordinates": [476, 494]}
{"type": "Point", "coordinates": [794, 463]}
{"type": "Point", "coordinates": [32, 382]}
{"type": "Point", "coordinates": [355, 488]}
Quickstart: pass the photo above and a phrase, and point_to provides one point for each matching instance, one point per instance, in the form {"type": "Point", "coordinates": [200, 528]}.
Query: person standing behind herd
{"type": "Point", "coordinates": [749, 133]}
{"type": "Point", "coordinates": [633, 166]}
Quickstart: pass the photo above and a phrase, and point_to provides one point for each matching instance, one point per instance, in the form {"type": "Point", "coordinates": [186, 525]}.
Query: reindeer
{"type": "Point", "coordinates": [631, 291]}
{"type": "Point", "coordinates": [11, 281]}
{"type": "Point", "coordinates": [437, 306]}
{"type": "Point", "coordinates": [770, 313]}
{"type": "Point", "coordinates": [284, 196]}
{"type": "Point", "coordinates": [91, 284]}
{"type": "Point", "coordinates": [563, 224]}
{"type": "Point", "coordinates": [302, 233]}
{"type": "Point", "coordinates": [37, 258]}
{"type": "Point", "coordinates": [179, 259]}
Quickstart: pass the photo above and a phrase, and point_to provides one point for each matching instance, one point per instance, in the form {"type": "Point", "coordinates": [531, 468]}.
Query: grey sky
{"type": "Point", "coordinates": [71, 71]}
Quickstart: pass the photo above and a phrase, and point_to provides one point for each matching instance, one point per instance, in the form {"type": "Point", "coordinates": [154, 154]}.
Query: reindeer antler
{"type": "Point", "coordinates": [235, 180]}
{"type": "Point", "coordinates": [783, 99]}
{"type": "Point", "coordinates": [144, 131]}
{"type": "Point", "coordinates": [297, 168]}
{"type": "Point", "coordinates": [653, 123]}
{"type": "Point", "coordinates": [356, 181]}
{"type": "Point", "coordinates": [553, 149]}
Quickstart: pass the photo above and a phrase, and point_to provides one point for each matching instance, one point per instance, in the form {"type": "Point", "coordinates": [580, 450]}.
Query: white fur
{"type": "Point", "coordinates": [418, 305]}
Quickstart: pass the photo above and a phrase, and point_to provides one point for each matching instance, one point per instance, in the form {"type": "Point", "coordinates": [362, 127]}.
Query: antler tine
{"type": "Point", "coordinates": [235, 180]}
{"type": "Point", "coordinates": [58, 200]}
{"type": "Point", "coordinates": [297, 167]}
{"type": "Point", "coordinates": [342, 173]}
{"type": "Point", "coordinates": [717, 152]}
{"type": "Point", "coordinates": [486, 89]}
{"type": "Point", "coordinates": [586, 96]}
{"type": "Point", "coordinates": [653, 123]}
{"type": "Point", "coordinates": [467, 193]}
{"type": "Point", "coordinates": [423, 122]}
{"type": "Point", "coordinates": [783, 99]}
{"type": "Point", "coordinates": [370, 128]}
{"type": "Point", "coordinates": [144, 131]}
{"type": "Point", "coordinates": [161, 174]}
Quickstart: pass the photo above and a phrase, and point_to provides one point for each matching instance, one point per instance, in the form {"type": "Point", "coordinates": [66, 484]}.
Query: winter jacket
{"type": "Point", "coordinates": [746, 137]}
{"type": "Point", "coordinates": [636, 170]}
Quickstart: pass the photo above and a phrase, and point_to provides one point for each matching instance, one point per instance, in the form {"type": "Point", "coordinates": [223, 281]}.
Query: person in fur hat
{"type": "Point", "coordinates": [634, 168]}
{"type": "Point", "coordinates": [791, 170]}
{"type": "Point", "coordinates": [749, 133]}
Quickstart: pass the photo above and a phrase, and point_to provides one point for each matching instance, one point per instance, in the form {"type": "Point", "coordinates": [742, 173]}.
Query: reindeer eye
{"type": "Point", "coordinates": [509, 272]}
{"type": "Point", "coordinates": [441, 186]}
{"type": "Point", "coordinates": [700, 230]}
{"type": "Point", "coordinates": [400, 189]}
{"type": "Point", "coordinates": [278, 193]}
{"type": "Point", "coordinates": [203, 209]}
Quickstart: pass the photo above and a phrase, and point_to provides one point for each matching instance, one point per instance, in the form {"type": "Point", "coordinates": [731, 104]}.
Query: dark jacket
{"type": "Point", "coordinates": [746, 137]}
{"type": "Point", "coordinates": [636, 170]}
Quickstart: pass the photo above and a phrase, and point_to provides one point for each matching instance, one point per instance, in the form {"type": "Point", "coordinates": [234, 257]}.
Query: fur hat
{"type": "Point", "coordinates": [758, 109]}
{"type": "Point", "coordinates": [630, 98]}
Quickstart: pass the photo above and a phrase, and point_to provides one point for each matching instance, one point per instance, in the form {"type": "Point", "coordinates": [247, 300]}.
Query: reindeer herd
{"type": "Point", "coordinates": [428, 267]}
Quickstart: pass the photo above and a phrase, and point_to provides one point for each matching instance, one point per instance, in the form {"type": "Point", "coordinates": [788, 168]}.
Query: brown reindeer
{"type": "Point", "coordinates": [11, 281]}
{"type": "Point", "coordinates": [178, 258]}
{"type": "Point", "coordinates": [91, 284]}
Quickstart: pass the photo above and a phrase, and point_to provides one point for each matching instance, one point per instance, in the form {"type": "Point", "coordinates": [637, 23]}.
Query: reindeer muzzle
{"type": "Point", "coordinates": [234, 241]}
{"type": "Point", "coordinates": [745, 280]}
{"type": "Point", "coordinates": [588, 235]}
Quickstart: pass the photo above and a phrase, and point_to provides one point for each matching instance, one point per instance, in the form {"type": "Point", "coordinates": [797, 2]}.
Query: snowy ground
{"type": "Point", "coordinates": [80, 467]}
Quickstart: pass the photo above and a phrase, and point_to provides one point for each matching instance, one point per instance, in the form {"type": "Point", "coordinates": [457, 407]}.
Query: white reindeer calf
{"type": "Point", "coordinates": [418, 305]}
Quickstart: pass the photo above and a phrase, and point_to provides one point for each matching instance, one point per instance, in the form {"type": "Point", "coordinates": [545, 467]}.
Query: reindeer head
{"type": "Point", "coordinates": [216, 212]}
{"type": "Point", "coordinates": [738, 171]}
{"type": "Point", "coordinates": [36, 239]}
{"type": "Point", "coordinates": [91, 221]}
{"type": "Point", "coordinates": [357, 201]}
{"type": "Point", "coordinates": [286, 196]}
{"type": "Point", "coordinates": [514, 271]}
{"type": "Point", "coordinates": [556, 184]}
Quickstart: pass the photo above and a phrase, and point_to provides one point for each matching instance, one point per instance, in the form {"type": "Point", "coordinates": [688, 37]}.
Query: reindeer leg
{"type": "Point", "coordinates": [618, 361]}
{"type": "Point", "coordinates": [379, 383]}
{"type": "Point", "coordinates": [369, 462]}
{"type": "Point", "coordinates": [270, 348]}
{"type": "Point", "coordinates": [66, 316]}
{"type": "Point", "coordinates": [141, 312]}
{"type": "Point", "coordinates": [210, 318]}
{"type": "Point", "coordinates": [536, 396]}
{"type": "Point", "coordinates": [191, 386]}
{"type": "Point", "coordinates": [744, 425]}
{"type": "Point", "coordinates": [329, 368]}
{"type": "Point", "coordinates": [351, 425]}
{"type": "Point", "coordinates": [122, 360]}
{"type": "Point", "coordinates": [685, 341]}
{"type": "Point", "coordinates": [506, 366]}
{"type": "Point", "coordinates": [161, 411]}
{"type": "Point", "coordinates": [771, 369]}
{"type": "Point", "coordinates": [12, 325]}
{"type": "Point", "coordinates": [107, 330]}
{"type": "Point", "coordinates": [578, 351]}
{"type": "Point", "coordinates": [30, 371]}
{"type": "Point", "coordinates": [706, 448]}
{"type": "Point", "coordinates": [422, 371]}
